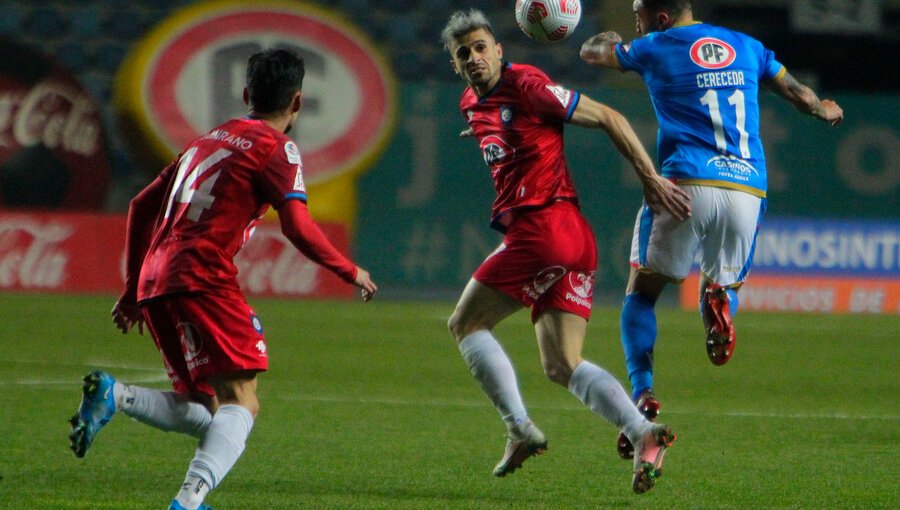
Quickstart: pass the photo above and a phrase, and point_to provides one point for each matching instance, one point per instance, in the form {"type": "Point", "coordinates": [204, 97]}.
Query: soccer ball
{"type": "Point", "coordinates": [548, 20]}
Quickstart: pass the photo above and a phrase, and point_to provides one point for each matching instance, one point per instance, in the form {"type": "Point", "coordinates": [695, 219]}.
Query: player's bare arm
{"type": "Point", "coordinates": [659, 192]}
{"type": "Point", "coordinates": [806, 101]}
{"type": "Point", "coordinates": [600, 50]}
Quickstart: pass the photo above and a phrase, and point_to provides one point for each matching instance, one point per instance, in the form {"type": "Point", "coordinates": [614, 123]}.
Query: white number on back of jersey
{"type": "Point", "coordinates": [711, 101]}
{"type": "Point", "coordinates": [184, 191]}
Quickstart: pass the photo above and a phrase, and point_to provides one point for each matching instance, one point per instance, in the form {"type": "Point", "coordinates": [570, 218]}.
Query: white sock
{"type": "Point", "coordinates": [219, 449]}
{"type": "Point", "coordinates": [601, 392]}
{"type": "Point", "coordinates": [165, 410]}
{"type": "Point", "coordinates": [494, 372]}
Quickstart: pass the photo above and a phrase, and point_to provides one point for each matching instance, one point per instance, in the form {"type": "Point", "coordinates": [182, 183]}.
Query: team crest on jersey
{"type": "Point", "coordinates": [495, 150]}
{"type": "Point", "coordinates": [470, 114]}
{"type": "Point", "coordinates": [561, 93]}
{"type": "Point", "coordinates": [712, 53]}
{"type": "Point", "coordinates": [506, 114]}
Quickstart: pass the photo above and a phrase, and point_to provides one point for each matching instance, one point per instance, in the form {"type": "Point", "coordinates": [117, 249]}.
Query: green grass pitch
{"type": "Point", "coordinates": [371, 406]}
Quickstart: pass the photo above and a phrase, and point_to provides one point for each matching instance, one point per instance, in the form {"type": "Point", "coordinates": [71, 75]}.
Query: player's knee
{"type": "Point", "coordinates": [557, 371]}
{"type": "Point", "coordinates": [458, 327]}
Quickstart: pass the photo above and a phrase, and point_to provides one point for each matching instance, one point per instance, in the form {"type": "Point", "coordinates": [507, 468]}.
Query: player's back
{"type": "Point", "coordinates": [214, 199]}
{"type": "Point", "coordinates": [704, 82]}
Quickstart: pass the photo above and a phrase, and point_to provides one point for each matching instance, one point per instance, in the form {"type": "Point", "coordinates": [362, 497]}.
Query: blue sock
{"type": "Point", "coordinates": [638, 337]}
{"type": "Point", "coordinates": [733, 302]}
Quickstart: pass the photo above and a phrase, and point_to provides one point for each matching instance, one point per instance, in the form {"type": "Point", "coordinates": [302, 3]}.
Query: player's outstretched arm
{"type": "Point", "coordinates": [806, 101]}
{"type": "Point", "coordinates": [298, 226]}
{"type": "Point", "coordinates": [659, 192]}
{"type": "Point", "coordinates": [600, 50]}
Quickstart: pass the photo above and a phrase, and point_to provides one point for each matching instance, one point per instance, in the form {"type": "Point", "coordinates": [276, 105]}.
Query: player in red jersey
{"type": "Point", "coordinates": [184, 231]}
{"type": "Point", "coordinates": [548, 255]}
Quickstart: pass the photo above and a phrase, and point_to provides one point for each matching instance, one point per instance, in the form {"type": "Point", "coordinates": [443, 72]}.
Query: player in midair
{"type": "Point", "coordinates": [183, 232]}
{"type": "Point", "coordinates": [704, 81]}
{"type": "Point", "coordinates": [548, 256]}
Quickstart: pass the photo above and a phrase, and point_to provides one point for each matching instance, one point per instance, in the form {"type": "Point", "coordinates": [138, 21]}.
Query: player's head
{"type": "Point", "coordinates": [474, 52]}
{"type": "Point", "coordinates": [274, 84]}
{"type": "Point", "coordinates": [659, 15]}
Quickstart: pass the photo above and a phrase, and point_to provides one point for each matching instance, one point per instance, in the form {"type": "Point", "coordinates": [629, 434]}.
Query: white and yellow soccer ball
{"type": "Point", "coordinates": [548, 20]}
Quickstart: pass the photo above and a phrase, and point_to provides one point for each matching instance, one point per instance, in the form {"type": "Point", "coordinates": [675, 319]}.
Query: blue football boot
{"type": "Point", "coordinates": [97, 407]}
{"type": "Point", "coordinates": [176, 506]}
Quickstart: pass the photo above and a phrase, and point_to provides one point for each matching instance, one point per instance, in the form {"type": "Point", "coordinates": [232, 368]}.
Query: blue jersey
{"type": "Point", "coordinates": [704, 82]}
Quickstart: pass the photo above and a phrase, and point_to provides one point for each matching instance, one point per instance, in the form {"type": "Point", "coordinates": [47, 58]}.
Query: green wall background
{"type": "Point", "coordinates": [424, 207]}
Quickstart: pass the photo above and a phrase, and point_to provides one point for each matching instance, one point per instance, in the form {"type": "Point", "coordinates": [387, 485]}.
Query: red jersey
{"type": "Point", "coordinates": [519, 127]}
{"type": "Point", "coordinates": [216, 191]}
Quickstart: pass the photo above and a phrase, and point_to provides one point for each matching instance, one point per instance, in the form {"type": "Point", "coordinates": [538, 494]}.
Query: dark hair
{"type": "Point", "coordinates": [273, 77]}
{"type": "Point", "coordinates": [673, 7]}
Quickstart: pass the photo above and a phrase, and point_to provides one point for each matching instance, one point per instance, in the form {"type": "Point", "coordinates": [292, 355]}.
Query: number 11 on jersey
{"type": "Point", "coordinates": [711, 101]}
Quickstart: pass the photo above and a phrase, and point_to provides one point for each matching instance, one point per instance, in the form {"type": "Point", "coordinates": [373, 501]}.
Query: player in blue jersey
{"type": "Point", "coordinates": [703, 81]}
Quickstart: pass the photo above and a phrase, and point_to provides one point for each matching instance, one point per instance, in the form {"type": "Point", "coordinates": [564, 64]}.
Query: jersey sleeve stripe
{"type": "Point", "coordinates": [295, 196]}
{"type": "Point", "coordinates": [780, 74]}
{"type": "Point", "coordinates": [576, 96]}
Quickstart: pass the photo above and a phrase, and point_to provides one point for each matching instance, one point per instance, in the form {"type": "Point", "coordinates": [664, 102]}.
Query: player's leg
{"type": "Point", "coordinates": [479, 309]}
{"type": "Point", "coordinates": [638, 336]}
{"type": "Point", "coordinates": [171, 411]}
{"type": "Point", "coordinates": [638, 327]}
{"type": "Point", "coordinates": [726, 256]}
{"type": "Point", "coordinates": [223, 341]}
{"type": "Point", "coordinates": [224, 439]}
{"type": "Point", "coordinates": [103, 395]}
{"type": "Point", "coordinates": [560, 338]}
{"type": "Point", "coordinates": [662, 250]}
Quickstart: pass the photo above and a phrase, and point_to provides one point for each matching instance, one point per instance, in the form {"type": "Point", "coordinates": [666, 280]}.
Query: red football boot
{"type": "Point", "coordinates": [648, 405]}
{"type": "Point", "coordinates": [719, 328]}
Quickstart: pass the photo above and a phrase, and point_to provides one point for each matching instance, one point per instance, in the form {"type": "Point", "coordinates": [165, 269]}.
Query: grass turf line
{"type": "Point", "coordinates": [370, 406]}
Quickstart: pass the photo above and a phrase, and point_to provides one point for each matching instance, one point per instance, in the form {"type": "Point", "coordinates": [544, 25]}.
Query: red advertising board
{"type": "Point", "coordinates": [84, 253]}
{"type": "Point", "coordinates": [807, 294]}
{"type": "Point", "coordinates": [820, 266]}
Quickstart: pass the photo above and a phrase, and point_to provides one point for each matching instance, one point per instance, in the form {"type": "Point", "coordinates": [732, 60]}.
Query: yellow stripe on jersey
{"type": "Point", "coordinates": [723, 184]}
{"type": "Point", "coordinates": [780, 74]}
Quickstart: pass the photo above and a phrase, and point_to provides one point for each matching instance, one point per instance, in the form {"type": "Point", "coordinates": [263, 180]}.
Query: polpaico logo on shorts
{"type": "Point", "coordinates": [191, 345]}
{"type": "Point", "coordinates": [582, 285]}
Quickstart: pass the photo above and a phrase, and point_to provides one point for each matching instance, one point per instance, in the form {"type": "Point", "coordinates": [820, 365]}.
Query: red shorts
{"type": "Point", "coordinates": [203, 334]}
{"type": "Point", "coordinates": [547, 260]}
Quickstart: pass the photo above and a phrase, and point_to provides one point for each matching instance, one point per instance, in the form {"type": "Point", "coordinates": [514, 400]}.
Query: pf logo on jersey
{"type": "Point", "coordinates": [712, 53]}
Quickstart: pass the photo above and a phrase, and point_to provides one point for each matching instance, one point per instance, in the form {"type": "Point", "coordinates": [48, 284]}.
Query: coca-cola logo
{"type": "Point", "coordinates": [52, 146]}
{"type": "Point", "coordinates": [269, 264]}
{"type": "Point", "coordinates": [31, 254]}
{"type": "Point", "coordinates": [52, 114]}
